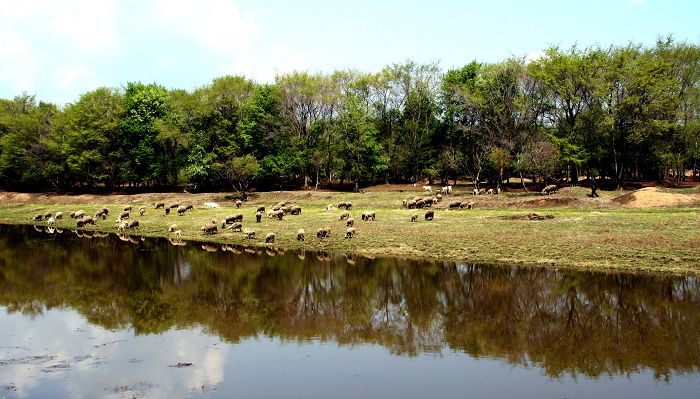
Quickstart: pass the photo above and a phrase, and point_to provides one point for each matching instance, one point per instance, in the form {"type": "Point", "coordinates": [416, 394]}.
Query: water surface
{"type": "Point", "coordinates": [102, 317]}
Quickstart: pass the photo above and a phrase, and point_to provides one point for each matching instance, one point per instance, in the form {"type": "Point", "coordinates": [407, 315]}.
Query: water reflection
{"type": "Point", "coordinates": [566, 323]}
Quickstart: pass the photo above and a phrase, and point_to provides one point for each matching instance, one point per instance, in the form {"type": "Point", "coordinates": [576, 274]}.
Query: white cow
{"type": "Point", "coordinates": [427, 188]}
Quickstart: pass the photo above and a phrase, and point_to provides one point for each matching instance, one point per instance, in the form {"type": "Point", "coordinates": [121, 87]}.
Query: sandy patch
{"type": "Point", "coordinates": [652, 197]}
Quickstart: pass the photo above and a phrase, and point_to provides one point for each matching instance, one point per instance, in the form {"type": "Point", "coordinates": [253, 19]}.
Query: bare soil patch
{"type": "Point", "coordinates": [652, 197]}
{"type": "Point", "coordinates": [545, 202]}
{"type": "Point", "coordinates": [529, 216]}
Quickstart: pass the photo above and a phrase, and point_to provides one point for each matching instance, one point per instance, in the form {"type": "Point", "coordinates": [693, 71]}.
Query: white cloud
{"type": "Point", "coordinates": [534, 56]}
{"type": "Point", "coordinates": [42, 39]}
{"type": "Point", "coordinates": [75, 76]}
{"type": "Point", "coordinates": [17, 65]}
{"type": "Point", "coordinates": [217, 25]}
{"type": "Point", "coordinates": [87, 24]}
{"type": "Point", "coordinates": [82, 25]}
{"type": "Point", "coordinates": [264, 66]}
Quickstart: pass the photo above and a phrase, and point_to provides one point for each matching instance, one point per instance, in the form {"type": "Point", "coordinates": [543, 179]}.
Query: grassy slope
{"type": "Point", "coordinates": [584, 233]}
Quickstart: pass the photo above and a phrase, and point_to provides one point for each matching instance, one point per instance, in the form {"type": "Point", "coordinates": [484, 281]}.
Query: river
{"type": "Point", "coordinates": [108, 317]}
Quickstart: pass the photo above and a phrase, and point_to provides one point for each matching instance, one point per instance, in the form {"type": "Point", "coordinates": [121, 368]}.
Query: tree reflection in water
{"type": "Point", "coordinates": [564, 322]}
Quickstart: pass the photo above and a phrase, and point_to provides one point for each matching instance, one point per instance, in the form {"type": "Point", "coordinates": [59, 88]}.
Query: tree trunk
{"type": "Point", "coordinates": [522, 181]}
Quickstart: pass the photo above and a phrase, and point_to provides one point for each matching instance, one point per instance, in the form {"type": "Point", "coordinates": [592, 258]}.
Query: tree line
{"type": "Point", "coordinates": [620, 113]}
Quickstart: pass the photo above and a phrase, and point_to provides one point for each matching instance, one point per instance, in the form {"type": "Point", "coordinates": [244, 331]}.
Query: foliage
{"type": "Point", "coordinates": [621, 112]}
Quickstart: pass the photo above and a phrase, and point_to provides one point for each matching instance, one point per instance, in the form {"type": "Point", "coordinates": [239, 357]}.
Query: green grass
{"type": "Point", "coordinates": [584, 233]}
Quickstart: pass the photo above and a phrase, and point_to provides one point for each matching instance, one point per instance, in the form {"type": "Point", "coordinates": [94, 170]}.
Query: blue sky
{"type": "Point", "coordinates": [60, 49]}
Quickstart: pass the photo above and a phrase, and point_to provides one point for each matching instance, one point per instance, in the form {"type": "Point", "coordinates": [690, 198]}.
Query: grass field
{"type": "Point", "coordinates": [585, 233]}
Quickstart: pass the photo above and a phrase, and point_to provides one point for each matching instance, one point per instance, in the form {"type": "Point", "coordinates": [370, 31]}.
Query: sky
{"type": "Point", "coordinates": [58, 50]}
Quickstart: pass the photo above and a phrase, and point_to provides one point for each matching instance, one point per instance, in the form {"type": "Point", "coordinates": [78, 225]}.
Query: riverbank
{"type": "Point", "coordinates": [607, 233]}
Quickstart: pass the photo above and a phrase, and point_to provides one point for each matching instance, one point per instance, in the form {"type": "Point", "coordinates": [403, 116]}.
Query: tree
{"type": "Point", "coordinates": [500, 158]}
{"type": "Point", "coordinates": [568, 79]}
{"type": "Point", "coordinates": [239, 172]}
{"type": "Point", "coordinates": [86, 138]}
{"type": "Point", "coordinates": [361, 154]}
{"type": "Point", "coordinates": [143, 105]}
